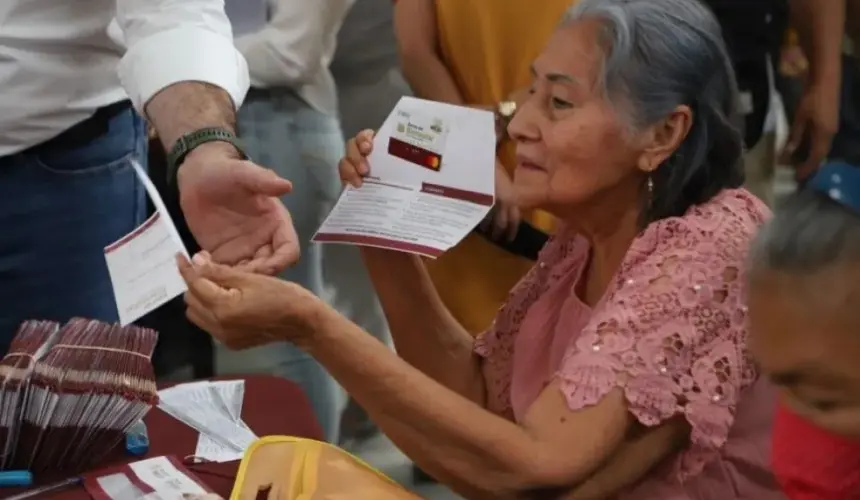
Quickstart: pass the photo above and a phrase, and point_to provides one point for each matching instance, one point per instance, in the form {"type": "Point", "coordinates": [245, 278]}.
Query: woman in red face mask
{"type": "Point", "coordinates": [804, 311]}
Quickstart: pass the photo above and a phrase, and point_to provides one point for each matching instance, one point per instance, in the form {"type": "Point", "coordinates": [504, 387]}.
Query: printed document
{"type": "Point", "coordinates": [142, 264]}
{"type": "Point", "coordinates": [214, 409]}
{"type": "Point", "coordinates": [431, 181]}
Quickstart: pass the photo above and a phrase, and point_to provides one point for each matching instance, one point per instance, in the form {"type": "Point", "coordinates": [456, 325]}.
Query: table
{"type": "Point", "coordinates": [272, 406]}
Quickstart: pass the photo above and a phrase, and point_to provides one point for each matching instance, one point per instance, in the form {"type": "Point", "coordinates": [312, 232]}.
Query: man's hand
{"type": "Point", "coordinates": [816, 121]}
{"type": "Point", "coordinates": [233, 210]}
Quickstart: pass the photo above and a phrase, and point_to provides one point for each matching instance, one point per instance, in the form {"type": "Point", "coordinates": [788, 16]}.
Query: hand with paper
{"type": "Point", "coordinates": [418, 185]}
{"type": "Point", "coordinates": [243, 309]}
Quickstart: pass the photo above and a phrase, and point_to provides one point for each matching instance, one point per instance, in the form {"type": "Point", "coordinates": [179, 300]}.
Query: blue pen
{"type": "Point", "coordinates": [16, 479]}
{"type": "Point", "coordinates": [73, 481]}
{"type": "Point", "coordinates": [137, 440]}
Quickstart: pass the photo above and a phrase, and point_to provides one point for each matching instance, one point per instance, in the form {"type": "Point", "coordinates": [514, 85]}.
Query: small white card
{"type": "Point", "coordinates": [421, 130]}
{"type": "Point", "coordinates": [142, 264]}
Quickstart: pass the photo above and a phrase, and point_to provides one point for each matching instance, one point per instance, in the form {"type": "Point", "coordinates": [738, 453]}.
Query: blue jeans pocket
{"type": "Point", "coordinates": [111, 151]}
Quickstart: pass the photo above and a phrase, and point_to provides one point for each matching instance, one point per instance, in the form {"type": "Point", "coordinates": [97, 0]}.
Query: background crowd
{"type": "Point", "coordinates": [321, 72]}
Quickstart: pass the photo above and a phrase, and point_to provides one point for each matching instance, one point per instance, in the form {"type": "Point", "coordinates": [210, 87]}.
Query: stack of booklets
{"type": "Point", "coordinates": [69, 393]}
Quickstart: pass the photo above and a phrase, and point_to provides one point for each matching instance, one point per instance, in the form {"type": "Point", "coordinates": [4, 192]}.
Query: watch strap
{"type": "Point", "coordinates": [191, 141]}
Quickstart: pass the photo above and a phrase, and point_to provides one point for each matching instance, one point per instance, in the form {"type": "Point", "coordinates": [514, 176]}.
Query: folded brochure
{"type": "Point", "coordinates": [431, 181]}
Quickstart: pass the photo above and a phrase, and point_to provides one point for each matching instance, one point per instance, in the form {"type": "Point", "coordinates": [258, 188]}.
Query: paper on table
{"type": "Point", "coordinates": [431, 181]}
{"type": "Point", "coordinates": [154, 478]}
{"type": "Point", "coordinates": [142, 264]}
{"type": "Point", "coordinates": [197, 406]}
{"type": "Point", "coordinates": [214, 409]}
{"type": "Point", "coordinates": [231, 393]}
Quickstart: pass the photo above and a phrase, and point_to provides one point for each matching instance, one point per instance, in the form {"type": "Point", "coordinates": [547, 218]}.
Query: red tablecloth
{"type": "Point", "coordinates": [272, 406]}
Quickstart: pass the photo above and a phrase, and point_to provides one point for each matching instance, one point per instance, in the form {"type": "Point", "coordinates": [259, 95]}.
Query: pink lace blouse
{"type": "Point", "coordinates": [670, 330]}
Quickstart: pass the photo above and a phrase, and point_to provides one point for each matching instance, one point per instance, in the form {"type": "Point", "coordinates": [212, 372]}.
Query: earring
{"type": "Point", "coordinates": [650, 187]}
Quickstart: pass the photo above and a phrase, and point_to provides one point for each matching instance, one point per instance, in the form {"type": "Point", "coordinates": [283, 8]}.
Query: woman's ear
{"type": "Point", "coordinates": [665, 137]}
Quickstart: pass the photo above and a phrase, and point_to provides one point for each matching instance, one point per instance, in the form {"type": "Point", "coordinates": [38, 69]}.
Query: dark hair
{"type": "Point", "coordinates": [810, 231]}
{"type": "Point", "coordinates": [661, 54]}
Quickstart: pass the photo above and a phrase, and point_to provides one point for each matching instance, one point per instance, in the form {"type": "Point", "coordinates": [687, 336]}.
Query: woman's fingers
{"type": "Point", "coordinates": [354, 165]}
{"type": "Point", "coordinates": [199, 281]}
{"type": "Point", "coordinates": [348, 173]}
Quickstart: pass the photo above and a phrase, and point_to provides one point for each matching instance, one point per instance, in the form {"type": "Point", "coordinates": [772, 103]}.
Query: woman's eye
{"type": "Point", "coordinates": [560, 104]}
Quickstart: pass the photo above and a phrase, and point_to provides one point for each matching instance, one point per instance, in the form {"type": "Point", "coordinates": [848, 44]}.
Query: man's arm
{"type": "Point", "coordinates": [289, 50]}
{"type": "Point", "coordinates": [181, 69]}
{"type": "Point", "coordinates": [820, 27]}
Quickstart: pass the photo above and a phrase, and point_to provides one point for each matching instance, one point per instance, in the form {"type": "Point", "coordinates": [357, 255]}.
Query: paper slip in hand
{"type": "Point", "coordinates": [142, 264]}
{"type": "Point", "coordinates": [432, 178]}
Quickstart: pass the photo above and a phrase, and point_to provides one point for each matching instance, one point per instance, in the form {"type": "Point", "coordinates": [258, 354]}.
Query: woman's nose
{"type": "Point", "coordinates": [523, 127]}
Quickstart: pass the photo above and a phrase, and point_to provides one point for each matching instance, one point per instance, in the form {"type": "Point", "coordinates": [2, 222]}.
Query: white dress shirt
{"type": "Point", "coordinates": [59, 61]}
{"type": "Point", "coordinates": [294, 49]}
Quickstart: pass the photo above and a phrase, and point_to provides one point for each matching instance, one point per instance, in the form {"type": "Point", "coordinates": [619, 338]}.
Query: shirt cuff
{"type": "Point", "coordinates": [182, 55]}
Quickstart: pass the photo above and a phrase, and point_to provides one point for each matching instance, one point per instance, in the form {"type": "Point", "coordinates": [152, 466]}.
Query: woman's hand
{"type": "Point", "coordinates": [354, 167]}
{"type": "Point", "coordinates": [504, 219]}
{"type": "Point", "coordinates": [242, 309]}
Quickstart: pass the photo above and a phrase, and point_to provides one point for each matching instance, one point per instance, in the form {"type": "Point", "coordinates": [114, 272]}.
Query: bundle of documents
{"type": "Point", "coordinates": [68, 394]}
{"type": "Point", "coordinates": [431, 182]}
{"type": "Point", "coordinates": [214, 409]}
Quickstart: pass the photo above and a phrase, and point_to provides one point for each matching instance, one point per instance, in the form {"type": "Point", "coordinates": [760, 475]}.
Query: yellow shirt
{"type": "Point", "coordinates": [488, 46]}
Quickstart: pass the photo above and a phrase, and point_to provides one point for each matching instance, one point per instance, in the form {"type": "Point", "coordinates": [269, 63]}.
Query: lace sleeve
{"type": "Point", "coordinates": [670, 332]}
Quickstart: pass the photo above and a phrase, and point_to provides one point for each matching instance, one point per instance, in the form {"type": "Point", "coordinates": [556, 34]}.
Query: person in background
{"type": "Point", "coordinates": [290, 123]}
{"type": "Point", "coordinates": [465, 53]}
{"type": "Point", "coordinates": [846, 143]}
{"type": "Point", "coordinates": [754, 32]}
{"type": "Point", "coordinates": [618, 368]}
{"type": "Point", "coordinates": [69, 135]}
{"type": "Point", "coordinates": [821, 29]}
{"type": "Point", "coordinates": [804, 294]}
{"type": "Point", "coordinates": [369, 82]}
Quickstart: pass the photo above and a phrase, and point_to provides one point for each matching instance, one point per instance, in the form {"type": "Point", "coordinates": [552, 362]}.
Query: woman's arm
{"type": "Point", "coordinates": [425, 333]}
{"type": "Point", "coordinates": [640, 453]}
{"type": "Point", "coordinates": [418, 44]}
{"type": "Point", "coordinates": [477, 452]}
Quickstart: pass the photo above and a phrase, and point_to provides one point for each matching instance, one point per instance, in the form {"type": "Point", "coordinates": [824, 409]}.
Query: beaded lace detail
{"type": "Point", "coordinates": [670, 330]}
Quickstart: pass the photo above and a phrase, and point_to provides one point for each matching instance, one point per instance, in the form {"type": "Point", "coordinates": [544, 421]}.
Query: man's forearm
{"type": "Point", "coordinates": [821, 27]}
{"type": "Point", "coordinates": [186, 107]}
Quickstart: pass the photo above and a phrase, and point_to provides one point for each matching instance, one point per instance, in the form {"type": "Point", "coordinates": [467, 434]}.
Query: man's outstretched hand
{"type": "Point", "coordinates": [233, 209]}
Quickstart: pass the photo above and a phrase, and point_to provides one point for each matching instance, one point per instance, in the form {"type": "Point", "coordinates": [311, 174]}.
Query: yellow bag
{"type": "Point", "coordinates": [304, 469]}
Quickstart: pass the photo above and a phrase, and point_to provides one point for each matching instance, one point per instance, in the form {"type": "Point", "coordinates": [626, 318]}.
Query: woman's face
{"type": "Point", "coordinates": [805, 333]}
{"type": "Point", "coordinates": [571, 144]}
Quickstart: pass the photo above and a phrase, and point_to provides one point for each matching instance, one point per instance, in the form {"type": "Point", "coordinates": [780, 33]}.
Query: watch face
{"type": "Point", "coordinates": [507, 108]}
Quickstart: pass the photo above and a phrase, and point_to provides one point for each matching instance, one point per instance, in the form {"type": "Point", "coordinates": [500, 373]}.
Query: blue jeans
{"type": "Point", "coordinates": [59, 208]}
{"type": "Point", "coordinates": [303, 145]}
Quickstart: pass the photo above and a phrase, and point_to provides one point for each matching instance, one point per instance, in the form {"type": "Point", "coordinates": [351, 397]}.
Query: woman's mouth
{"type": "Point", "coordinates": [527, 165]}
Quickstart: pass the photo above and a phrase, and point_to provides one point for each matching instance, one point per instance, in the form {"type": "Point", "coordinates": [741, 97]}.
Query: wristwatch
{"type": "Point", "coordinates": [505, 112]}
{"type": "Point", "coordinates": [191, 141]}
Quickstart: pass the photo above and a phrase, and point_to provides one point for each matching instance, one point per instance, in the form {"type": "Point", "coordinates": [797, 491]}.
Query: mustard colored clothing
{"type": "Point", "coordinates": [489, 46]}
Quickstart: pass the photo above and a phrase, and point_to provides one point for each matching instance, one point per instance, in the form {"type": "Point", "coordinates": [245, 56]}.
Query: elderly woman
{"type": "Point", "coordinates": [807, 341]}
{"type": "Point", "coordinates": [618, 366]}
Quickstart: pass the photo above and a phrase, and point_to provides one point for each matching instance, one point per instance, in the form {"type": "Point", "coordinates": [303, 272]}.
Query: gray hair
{"type": "Point", "coordinates": [810, 232]}
{"type": "Point", "coordinates": [660, 54]}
